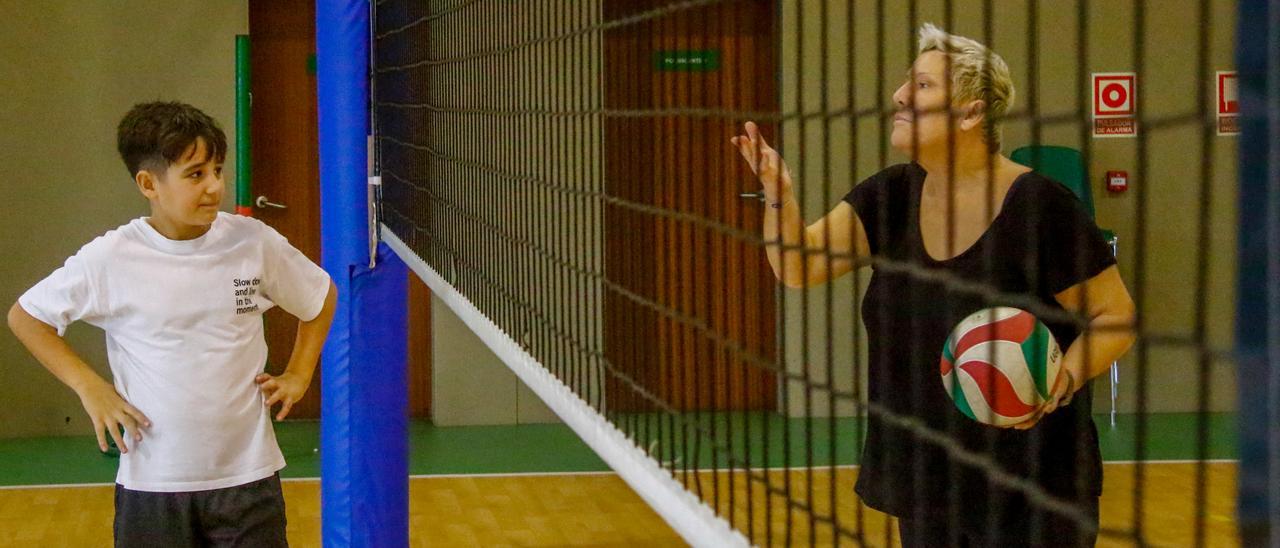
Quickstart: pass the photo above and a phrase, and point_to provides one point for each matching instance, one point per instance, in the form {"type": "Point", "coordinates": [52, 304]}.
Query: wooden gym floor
{"type": "Point", "coordinates": [539, 485]}
{"type": "Point", "coordinates": [598, 509]}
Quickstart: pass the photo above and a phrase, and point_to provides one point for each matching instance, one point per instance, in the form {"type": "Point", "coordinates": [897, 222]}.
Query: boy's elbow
{"type": "Point", "coordinates": [330, 301]}
{"type": "Point", "coordinates": [22, 323]}
{"type": "Point", "coordinates": [15, 317]}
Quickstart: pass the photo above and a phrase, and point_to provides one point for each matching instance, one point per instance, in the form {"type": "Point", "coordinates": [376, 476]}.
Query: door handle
{"type": "Point", "coordinates": [262, 202]}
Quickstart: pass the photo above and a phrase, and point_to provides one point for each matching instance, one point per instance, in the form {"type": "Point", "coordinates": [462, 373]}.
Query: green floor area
{"type": "Point", "coordinates": [554, 448]}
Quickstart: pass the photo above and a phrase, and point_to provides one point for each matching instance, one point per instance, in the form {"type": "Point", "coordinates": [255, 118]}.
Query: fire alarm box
{"type": "Point", "coordinates": [1117, 181]}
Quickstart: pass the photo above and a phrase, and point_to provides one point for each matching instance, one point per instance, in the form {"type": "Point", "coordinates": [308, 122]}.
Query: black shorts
{"type": "Point", "coordinates": [245, 515]}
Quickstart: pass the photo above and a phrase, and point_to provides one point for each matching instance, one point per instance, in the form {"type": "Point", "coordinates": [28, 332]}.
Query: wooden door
{"type": "Point", "coordinates": [286, 166]}
{"type": "Point", "coordinates": [286, 171]}
{"type": "Point", "coordinates": [702, 298]}
{"type": "Point", "coordinates": [419, 296]}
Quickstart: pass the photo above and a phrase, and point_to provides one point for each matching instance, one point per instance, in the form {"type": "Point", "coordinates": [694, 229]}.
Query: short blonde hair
{"type": "Point", "coordinates": [977, 73]}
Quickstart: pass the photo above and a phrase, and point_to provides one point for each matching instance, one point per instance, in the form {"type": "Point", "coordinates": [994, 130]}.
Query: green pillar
{"type": "Point", "coordinates": [244, 152]}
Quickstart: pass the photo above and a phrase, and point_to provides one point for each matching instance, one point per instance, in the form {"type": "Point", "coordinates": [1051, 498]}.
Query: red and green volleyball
{"type": "Point", "coordinates": [999, 365]}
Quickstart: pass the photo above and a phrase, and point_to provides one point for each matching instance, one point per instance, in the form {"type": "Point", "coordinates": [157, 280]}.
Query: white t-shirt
{"type": "Point", "coordinates": [183, 321]}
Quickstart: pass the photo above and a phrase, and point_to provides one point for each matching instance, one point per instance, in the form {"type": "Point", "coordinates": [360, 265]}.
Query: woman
{"type": "Point", "coordinates": [961, 211]}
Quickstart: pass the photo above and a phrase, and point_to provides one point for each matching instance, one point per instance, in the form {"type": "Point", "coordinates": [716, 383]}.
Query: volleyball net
{"type": "Point", "coordinates": [559, 173]}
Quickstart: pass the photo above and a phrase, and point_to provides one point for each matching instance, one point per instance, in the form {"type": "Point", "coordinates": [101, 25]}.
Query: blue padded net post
{"type": "Point", "coordinates": [364, 445]}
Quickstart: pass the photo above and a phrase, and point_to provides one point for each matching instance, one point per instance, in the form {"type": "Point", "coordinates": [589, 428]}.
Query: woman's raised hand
{"type": "Point", "coordinates": [765, 162]}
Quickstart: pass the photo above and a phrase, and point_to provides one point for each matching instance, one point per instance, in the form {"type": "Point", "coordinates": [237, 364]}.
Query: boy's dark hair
{"type": "Point", "coordinates": [152, 136]}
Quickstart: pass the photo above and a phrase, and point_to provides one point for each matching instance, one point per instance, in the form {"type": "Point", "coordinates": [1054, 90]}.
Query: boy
{"type": "Point", "coordinates": [180, 295]}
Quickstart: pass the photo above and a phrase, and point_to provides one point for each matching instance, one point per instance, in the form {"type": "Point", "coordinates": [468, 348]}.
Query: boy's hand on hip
{"type": "Point", "coordinates": [108, 412]}
{"type": "Point", "coordinates": [286, 389]}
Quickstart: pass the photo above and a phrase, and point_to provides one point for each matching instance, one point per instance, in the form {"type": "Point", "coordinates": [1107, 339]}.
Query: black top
{"type": "Point", "coordinates": [1041, 242]}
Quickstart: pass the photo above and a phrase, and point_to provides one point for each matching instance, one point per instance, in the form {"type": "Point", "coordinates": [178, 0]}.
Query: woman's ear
{"type": "Point", "coordinates": [974, 114]}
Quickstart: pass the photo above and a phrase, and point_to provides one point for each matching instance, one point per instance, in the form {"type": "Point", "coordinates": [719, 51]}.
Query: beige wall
{"type": "Point", "coordinates": [1171, 176]}
{"type": "Point", "coordinates": [72, 68]}
{"type": "Point", "coordinates": [70, 71]}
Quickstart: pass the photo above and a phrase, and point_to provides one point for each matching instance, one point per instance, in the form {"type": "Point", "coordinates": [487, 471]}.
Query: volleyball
{"type": "Point", "coordinates": [999, 365]}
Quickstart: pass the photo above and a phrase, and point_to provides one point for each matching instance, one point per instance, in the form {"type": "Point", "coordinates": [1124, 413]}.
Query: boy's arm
{"type": "Point", "coordinates": [289, 387]}
{"type": "Point", "coordinates": [106, 409]}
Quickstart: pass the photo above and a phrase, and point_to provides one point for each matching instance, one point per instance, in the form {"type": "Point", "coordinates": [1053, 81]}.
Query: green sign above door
{"type": "Point", "coordinates": [700, 60]}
